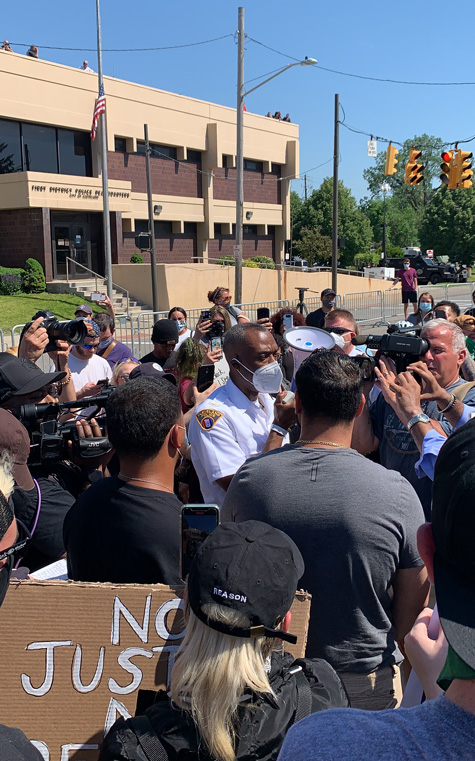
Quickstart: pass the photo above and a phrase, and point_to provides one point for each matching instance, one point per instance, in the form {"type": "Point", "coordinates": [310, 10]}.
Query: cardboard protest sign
{"type": "Point", "coordinates": [73, 657]}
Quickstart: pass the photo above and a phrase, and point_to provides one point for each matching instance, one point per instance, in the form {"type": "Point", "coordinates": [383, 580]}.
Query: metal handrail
{"type": "Point", "coordinates": [96, 275]}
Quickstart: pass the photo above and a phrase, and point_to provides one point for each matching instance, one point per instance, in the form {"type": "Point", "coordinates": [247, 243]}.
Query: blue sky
{"type": "Point", "coordinates": [402, 41]}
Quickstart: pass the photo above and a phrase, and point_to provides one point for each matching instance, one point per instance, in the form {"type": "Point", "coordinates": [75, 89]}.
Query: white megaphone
{"type": "Point", "coordinates": [304, 340]}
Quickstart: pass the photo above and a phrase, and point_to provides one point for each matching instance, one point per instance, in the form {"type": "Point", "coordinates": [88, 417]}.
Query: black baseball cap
{"type": "Point", "coordinates": [453, 529]}
{"type": "Point", "coordinates": [151, 370]}
{"type": "Point", "coordinates": [327, 292]}
{"type": "Point", "coordinates": [20, 376]}
{"type": "Point", "coordinates": [250, 567]}
{"type": "Point", "coordinates": [165, 332]}
{"type": "Point", "coordinates": [84, 308]}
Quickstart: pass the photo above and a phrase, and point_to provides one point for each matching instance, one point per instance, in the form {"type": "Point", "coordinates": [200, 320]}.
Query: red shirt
{"type": "Point", "coordinates": [408, 278]}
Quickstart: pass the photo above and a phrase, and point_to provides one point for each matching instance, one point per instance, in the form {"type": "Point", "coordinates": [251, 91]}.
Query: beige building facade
{"type": "Point", "coordinates": [51, 185]}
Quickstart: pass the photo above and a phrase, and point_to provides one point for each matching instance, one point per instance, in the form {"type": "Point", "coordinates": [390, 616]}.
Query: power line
{"type": "Point", "coordinates": [361, 76]}
{"type": "Point", "coordinates": [125, 50]}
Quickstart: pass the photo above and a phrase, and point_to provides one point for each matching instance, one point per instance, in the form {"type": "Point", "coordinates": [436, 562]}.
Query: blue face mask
{"type": "Point", "coordinates": [104, 344]}
{"type": "Point", "coordinates": [406, 266]}
{"type": "Point", "coordinates": [181, 325]}
{"type": "Point", "coordinates": [425, 306]}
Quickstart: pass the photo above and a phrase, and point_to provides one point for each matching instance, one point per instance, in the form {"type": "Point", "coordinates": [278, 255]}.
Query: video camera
{"type": "Point", "coordinates": [72, 331]}
{"type": "Point", "coordinates": [49, 442]}
{"type": "Point", "coordinates": [402, 345]}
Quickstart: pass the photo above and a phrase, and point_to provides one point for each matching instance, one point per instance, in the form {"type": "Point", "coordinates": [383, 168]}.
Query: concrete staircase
{"type": "Point", "coordinates": [86, 286]}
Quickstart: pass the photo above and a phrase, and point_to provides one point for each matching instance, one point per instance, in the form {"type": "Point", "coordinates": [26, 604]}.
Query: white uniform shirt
{"type": "Point", "coordinates": [224, 432]}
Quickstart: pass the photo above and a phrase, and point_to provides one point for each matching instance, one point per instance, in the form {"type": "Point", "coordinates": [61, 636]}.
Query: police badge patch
{"type": "Point", "coordinates": [207, 418]}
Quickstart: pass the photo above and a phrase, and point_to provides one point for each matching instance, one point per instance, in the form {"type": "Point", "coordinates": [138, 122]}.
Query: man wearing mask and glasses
{"type": "Point", "coordinates": [87, 368]}
{"type": "Point", "coordinates": [316, 319]}
{"type": "Point", "coordinates": [240, 419]}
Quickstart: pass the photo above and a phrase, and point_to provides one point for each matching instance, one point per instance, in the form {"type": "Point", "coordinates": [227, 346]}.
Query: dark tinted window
{"type": "Point", "coordinates": [190, 228]}
{"type": "Point", "coordinates": [249, 229]}
{"type": "Point", "coordinates": [252, 166]}
{"type": "Point", "coordinates": [157, 151]}
{"type": "Point", "coordinates": [217, 229]}
{"type": "Point", "coordinates": [141, 226]}
{"type": "Point", "coordinates": [10, 147]}
{"type": "Point", "coordinates": [194, 156]}
{"type": "Point", "coordinates": [225, 162]}
{"type": "Point", "coordinates": [120, 145]}
{"type": "Point", "coordinates": [39, 146]}
{"type": "Point", "coordinates": [163, 228]}
{"type": "Point", "coordinates": [74, 152]}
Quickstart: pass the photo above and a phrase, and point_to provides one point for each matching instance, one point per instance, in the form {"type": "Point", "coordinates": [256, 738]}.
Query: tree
{"type": "Point", "coordinates": [313, 246]}
{"type": "Point", "coordinates": [353, 225]}
{"type": "Point", "coordinates": [419, 196]}
{"type": "Point", "coordinates": [448, 226]}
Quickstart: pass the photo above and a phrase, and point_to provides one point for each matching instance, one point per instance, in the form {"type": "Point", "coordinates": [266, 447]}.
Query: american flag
{"type": "Point", "coordinates": [100, 108]}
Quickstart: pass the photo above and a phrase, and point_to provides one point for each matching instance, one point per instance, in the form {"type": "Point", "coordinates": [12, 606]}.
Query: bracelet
{"type": "Point", "coordinates": [278, 429]}
{"type": "Point", "coordinates": [64, 383]}
{"type": "Point", "coordinates": [453, 399]}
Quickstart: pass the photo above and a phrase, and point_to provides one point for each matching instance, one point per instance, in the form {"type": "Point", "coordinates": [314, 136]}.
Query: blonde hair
{"type": "Point", "coordinates": [224, 314]}
{"type": "Point", "coordinates": [118, 366]}
{"type": "Point", "coordinates": [211, 672]}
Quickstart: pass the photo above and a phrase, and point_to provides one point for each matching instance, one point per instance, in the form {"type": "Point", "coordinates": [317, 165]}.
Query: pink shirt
{"type": "Point", "coordinates": [408, 278]}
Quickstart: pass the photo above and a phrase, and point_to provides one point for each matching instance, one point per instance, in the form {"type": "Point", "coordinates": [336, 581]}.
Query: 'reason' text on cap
{"type": "Point", "coordinates": [453, 529]}
{"type": "Point", "coordinates": [250, 567]}
{"type": "Point", "coordinates": [19, 376]}
{"type": "Point", "coordinates": [327, 292]}
{"type": "Point", "coordinates": [165, 332]}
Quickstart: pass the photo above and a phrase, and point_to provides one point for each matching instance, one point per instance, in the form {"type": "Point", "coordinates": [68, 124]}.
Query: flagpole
{"type": "Point", "coordinates": [105, 179]}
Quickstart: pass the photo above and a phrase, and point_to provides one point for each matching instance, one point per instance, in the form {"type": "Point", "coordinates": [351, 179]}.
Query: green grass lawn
{"type": "Point", "coordinates": [18, 309]}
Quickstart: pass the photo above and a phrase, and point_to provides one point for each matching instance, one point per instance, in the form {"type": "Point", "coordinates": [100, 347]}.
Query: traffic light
{"type": "Point", "coordinates": [391, 160]}
{"type": "Point", "coordinates": [448, 170]}
{"type": "Point", "coordinates": [143, 242]}
{"type": "Point", "coordinates": [413, 175]}
{"type": "Point", "coordinates": [463, 169]}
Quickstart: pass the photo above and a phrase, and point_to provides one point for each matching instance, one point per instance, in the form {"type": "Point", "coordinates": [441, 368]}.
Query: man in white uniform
{"type": "Point", "coordinates": [240, 419]}
{"type": "Point", "coordinates": [342, 323]}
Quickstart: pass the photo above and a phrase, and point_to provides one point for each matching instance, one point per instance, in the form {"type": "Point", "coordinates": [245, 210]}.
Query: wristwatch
{"type": "Point", "coordinates": [278, 429]}
{"type": "Point", "coordinates": [420, 418]}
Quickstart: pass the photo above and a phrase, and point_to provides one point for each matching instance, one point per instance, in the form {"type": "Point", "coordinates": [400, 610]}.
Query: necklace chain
{"type": "Point", "coordinates": [325, 443]}
{"type": "Point", "coordinates": [145, 481]}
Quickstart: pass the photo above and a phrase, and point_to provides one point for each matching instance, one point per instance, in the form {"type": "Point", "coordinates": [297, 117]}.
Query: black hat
{"type": "Point", "coordinates": [327, 292]}
{"type": "Point", "coordinates": [250, 567]}
{"type": "Point", "coordinates": [453, 529]}
{"type": "Point", "coordinates": [84, 308]}
{"type": "Point", "coordinates": [151, 370]}
{"type": "Point", "coordinates": [165, 332]}
{"type": "Point", "coordinates": [20, 376]}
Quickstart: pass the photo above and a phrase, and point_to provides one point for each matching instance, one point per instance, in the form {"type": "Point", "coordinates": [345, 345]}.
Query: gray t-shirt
{"type": "Point", "coordinates": [437, 730]}
{"type": "Point", "coordinates": [355, 524]}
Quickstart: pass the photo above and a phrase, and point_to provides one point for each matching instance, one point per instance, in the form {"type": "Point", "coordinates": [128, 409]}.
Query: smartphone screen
{"type": "Point", "coordinates": [216, 342]}
{"type": "Point", "coordinates": [205, 314]}
{"type": "Point", "coordinates": [205, 377]}
{"type": "Point", "coordinates": [95, 296]}
{"type": "Point", "coordinates": [263, 312]}
{"type": "Point", "coordinates": [288, 320]}
{"type": "Point", "coordinates": [197, 523]}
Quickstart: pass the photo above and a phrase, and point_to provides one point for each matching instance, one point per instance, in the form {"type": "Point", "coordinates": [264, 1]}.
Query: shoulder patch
{"type": "Point", "coordinates": [207, 418]}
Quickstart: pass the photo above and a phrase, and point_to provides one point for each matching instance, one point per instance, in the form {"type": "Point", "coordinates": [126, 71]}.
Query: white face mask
{"type": "Point", "coordinates": [181, 325]}
{"type": "Point", "coordinates": [266, 379]}
{"type": "Point", "coordinates": [339, 340]}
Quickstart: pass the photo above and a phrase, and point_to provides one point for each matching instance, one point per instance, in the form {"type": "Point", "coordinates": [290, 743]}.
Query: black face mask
{"type": "Point", "coordinates": [5, 574]}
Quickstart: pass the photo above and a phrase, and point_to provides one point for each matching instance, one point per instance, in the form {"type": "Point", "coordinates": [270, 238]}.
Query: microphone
{"type": "Point", "coordinates": [360, 340]}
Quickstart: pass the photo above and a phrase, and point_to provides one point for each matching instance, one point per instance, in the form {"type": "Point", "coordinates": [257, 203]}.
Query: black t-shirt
{"type": "Point", "coordinates": [124, 534]}
{"type": "Point", "coordinates": [152, 358]}
{"type": "Point", "coordinates": [15, 746]}
{"type": "Point", "coordinates": [46, 544]}
{"type": "Point", "coordinates": [316, 319]}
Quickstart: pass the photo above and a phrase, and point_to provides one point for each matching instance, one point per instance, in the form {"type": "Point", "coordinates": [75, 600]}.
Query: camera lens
{"type": "Point", "coordinates": [73, 331]}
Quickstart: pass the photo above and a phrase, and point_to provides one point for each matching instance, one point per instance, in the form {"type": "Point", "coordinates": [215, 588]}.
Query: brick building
{"type": "Point", "coordinates": [51, 186]}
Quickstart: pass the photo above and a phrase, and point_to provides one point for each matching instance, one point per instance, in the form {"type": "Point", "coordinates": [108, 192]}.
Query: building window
{"type": "Point", "coordinates": [217, 229]}
{"type": "Point", "coordinates": [157, 151]}
{"type": "Point", "coordinates": [189, 228]}
{"type": "Point", "coordinates": [10, 147]}
{"type": "Point", "coordinates": [74, 153]}
{"type": "Point", "coordinates": [275, 169]}
{"type": "Point", "coordinates": [159, 228]}
{"type": "Point", "coordinates": [120, 145]}
{"type": "Point", "coordinates": [252, 166]}
{"type": "Point", "coordinates": [225, 161]}
{"type": "Point", "coordinates": [194, 157]}
{"type": "Point", "coordinates": [249, 229]}
{"type": "Point", "coordinates": [39, 148]}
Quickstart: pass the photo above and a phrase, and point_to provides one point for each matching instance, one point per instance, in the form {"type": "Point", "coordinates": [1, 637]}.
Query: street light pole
{"type": "Point", "coordinates": [385, 188]}
{"type": "Point", "coordinates": [240, 147]}
{"type": "Point", "coordinates": [336, 157]}
{"type": "Point", "coordinates": [151, 225]}
{"type": "Point", "coordinates": [105, 180]}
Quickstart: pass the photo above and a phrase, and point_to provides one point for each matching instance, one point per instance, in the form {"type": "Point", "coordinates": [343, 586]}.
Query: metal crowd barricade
{"type": "Point", "coordinates": [250, 310]}
{"type": "Point", "coordinates": [461, 293]}
{"type": "Point", "coordinates": [125, 331]}
{"type": "Point", "coordinates": [16, 333]}
{"type": "Point", "coordinates": [143, 334]}
{"type": "Point", "coordinates": [366, 306]}
{"type": "Point", "coordinates": [438, 292]}
{"type": "Point", "coordinates": [2, 341]}
{"type": "Point", "coordinates": [392, 305]}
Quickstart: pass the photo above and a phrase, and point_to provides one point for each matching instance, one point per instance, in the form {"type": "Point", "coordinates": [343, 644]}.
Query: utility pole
{"type": "Point", "coordinates": [239, 159]}
{"type": "Point", "coordinates": [151, 226]}
{"type": "Point", "coordinates": [336, 154]}
{"type": "Point", "coordinates": [105, 179]}
{"type": "Point", "coordinates": [305, 185]}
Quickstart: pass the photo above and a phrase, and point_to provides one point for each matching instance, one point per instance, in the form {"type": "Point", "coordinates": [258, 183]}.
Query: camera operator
{"type": "Point", "coordinates": [88, 371]}
{"type": "Point", "coordinates": [33, 342]}
{"type": "Point", "coordinates": [399, 423]}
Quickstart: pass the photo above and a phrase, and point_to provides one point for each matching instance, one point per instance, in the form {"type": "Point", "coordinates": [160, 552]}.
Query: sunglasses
{"type": "Point", "coordinates": [338, 331]}
{"type": "Point", "coordinates": [24, 537]}
{"type": "Point", "coordinates": [90, 347]}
